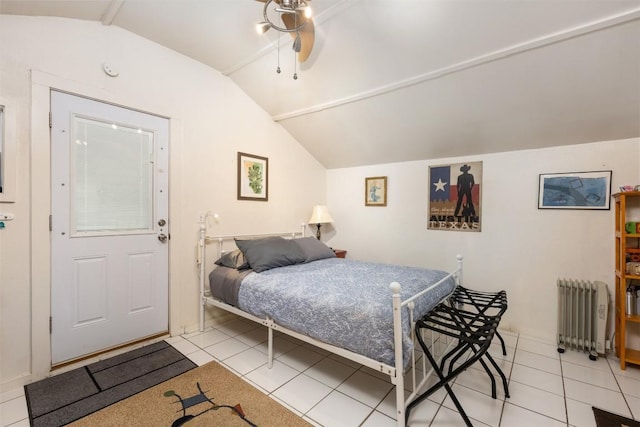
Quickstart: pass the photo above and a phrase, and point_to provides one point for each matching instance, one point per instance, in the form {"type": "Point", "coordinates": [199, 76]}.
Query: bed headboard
{"type": "Point", "coordinates": [226, 243]}
{"type": "Point", "coordinates": [230, 239]}
{"type": "Point", "coordinates": [204, 238]}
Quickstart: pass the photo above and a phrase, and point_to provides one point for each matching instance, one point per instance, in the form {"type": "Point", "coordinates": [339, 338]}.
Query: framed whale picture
{"type": "Point", "coordinates": [575, 190]}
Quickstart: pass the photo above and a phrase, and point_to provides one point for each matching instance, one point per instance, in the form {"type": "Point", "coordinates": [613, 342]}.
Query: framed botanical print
{"type": "Point", "coordinates": [253, 177]}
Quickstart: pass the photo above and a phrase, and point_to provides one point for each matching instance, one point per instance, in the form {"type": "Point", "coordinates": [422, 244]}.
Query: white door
{"type": "Point", "coordinates": [109, 179]}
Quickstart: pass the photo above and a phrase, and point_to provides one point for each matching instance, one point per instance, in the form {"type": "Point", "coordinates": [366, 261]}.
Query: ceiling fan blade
{"type": "Point", "coordinates": [307, 33]}
{"type": "Point", "coordinates": [292, 20]}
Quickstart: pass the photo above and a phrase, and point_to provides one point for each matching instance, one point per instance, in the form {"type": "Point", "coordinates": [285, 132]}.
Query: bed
{"type": "Point", "coordinates": [294, 284]}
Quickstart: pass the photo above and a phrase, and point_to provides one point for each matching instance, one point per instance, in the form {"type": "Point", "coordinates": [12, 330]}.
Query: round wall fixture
{"type": "Point", "coordinates": [110, 71]}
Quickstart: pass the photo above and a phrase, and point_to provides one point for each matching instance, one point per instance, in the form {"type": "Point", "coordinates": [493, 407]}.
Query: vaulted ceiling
{"type": "Point", "coordinates": [400, 80]}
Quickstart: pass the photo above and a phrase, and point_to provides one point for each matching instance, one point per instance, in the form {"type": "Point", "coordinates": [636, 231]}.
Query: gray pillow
{"type": "Point", "coordinates": [234, 259]}
{"type": "Point", "coordinates": [313, 249]}
{"type": "Point", "coordinates": [270, 252]}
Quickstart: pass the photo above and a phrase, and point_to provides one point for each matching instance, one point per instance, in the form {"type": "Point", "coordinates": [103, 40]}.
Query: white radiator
{"type": "Point", "coordinates": [582, 316]}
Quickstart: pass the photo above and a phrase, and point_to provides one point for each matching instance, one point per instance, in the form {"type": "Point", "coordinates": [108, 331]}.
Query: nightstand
{"type": "Point", "coordinates": [340, 253]}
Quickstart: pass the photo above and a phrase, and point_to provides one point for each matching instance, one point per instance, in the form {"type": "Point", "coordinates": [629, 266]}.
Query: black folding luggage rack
{"type": "Point", "coordinates": [489, 303]}
{"type": "Point", "coordinates": [473, 327]}
{"type": "Point", "coordinates": [482, 303]}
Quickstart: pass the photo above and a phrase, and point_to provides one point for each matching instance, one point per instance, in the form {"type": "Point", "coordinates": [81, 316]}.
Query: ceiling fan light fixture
{"type": "Point", "coordinates": [263, 27]}
{"type": "Point", "coordinates": [296, 20]}
{"type": "Point", "coordinates": [286, 9]}
{"type": "Point", "coordinates": [281, 10]}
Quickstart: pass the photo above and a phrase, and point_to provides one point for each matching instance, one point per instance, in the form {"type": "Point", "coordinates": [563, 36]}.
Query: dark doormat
{"type": "Point", "coordinates": [607, 419]}
{"type": "Point", "coordinates": [63, 398]}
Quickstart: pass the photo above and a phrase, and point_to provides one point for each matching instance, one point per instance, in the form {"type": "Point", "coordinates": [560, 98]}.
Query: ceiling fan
{"type": "Point", "coordinates": [296, 16]}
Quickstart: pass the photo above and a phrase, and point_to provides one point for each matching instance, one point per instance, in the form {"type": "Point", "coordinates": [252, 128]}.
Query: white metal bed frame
{"type": "Point", "coordinates": [396, 372]}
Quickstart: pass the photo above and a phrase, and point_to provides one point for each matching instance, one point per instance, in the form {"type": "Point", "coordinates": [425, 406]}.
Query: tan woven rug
{"type": "Point", "coordinates": [209, 395]}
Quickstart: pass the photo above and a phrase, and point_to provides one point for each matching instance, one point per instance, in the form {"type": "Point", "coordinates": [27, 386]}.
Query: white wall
{"type": "Point", "coordinates": [521, 249]}
{"type": "Point", "coordinates": [211, 120]}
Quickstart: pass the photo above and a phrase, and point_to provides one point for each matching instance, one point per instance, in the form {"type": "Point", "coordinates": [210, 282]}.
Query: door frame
{"type": "Point", "coordinates": [40, 208]}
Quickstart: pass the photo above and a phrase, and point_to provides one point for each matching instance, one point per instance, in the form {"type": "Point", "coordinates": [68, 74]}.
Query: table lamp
{"type": "Point", "coordinates": [320, 216]}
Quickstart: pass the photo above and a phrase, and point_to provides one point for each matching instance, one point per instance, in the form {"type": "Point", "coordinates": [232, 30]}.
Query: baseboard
{"type": "Point", "coordinates": [14, 383]}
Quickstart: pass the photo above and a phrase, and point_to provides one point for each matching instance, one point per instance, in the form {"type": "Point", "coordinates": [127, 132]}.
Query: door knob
{"type": "Point", "coordinates": [162, 237]}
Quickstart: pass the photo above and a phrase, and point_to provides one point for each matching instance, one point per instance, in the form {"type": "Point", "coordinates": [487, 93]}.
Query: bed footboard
{"type": "Point", "coordinates": [398, 305]}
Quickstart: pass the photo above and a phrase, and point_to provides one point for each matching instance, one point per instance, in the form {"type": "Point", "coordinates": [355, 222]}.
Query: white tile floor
{"type": "Point", "coordinates": [547, 388]}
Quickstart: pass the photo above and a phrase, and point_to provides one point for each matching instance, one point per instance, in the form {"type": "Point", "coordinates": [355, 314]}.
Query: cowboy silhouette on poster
{"type": "Point", "coordinates": [454, 197]}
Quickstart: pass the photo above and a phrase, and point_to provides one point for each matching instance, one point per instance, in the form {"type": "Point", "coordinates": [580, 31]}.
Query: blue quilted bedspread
{"type": "Point", "coordinates": [343, 302]}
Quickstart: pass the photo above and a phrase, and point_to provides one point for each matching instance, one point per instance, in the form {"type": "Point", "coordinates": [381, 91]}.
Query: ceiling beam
{"type": "Point", "coordinates": [111, 12]}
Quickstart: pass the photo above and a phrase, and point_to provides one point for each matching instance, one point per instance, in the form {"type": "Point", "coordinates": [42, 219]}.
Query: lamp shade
{"type": "Point", "coordinates": [320, 215]}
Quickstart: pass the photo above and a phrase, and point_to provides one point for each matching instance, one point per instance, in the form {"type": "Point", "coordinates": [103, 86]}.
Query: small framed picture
{"type": "Point", "coordinates": [253, 177]}
{"type": "Point", "coordinates": [375, 191]}
{"type": "Point", "coordinates": [575, 190]}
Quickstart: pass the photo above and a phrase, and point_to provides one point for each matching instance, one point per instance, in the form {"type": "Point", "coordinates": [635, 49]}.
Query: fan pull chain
{"type": "Point", "coordinates": [278, 69]}
{"type": "Point", "coordinates": [295, 65]}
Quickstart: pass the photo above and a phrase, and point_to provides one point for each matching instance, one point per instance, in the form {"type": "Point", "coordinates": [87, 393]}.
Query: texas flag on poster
{"type": "Point", "coordinates": [454, 197]}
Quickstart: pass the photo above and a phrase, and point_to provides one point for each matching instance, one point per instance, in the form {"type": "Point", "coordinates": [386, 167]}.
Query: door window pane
{"type": "Point", "coordinates": [112, 178]}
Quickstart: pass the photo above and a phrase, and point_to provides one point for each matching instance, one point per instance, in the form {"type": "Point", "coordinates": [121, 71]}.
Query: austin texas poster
{"type": "Point", "coordinates": [454, 197]}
